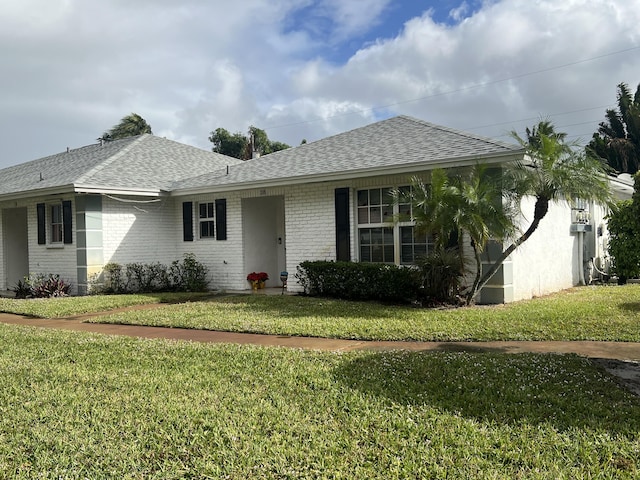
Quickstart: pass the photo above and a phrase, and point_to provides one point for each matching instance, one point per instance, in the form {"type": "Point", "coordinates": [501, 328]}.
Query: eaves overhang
{"type": "Point", "coordinates": [81, 189]}
{"type": "Point", "coordinates": [353, 173]}
{"type": "Point", "coordinates": [37, 192]}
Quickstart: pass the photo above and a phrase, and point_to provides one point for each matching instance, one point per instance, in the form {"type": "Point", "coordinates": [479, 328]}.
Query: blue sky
{"type": "Point", "coordinates": [320, 23]}
{"type": "Point", "coordinates": [306, 69]}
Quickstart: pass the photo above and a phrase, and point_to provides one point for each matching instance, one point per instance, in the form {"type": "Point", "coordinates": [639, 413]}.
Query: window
{"type": "Point", "coordinates": [57, 227]}
{"type": "Point", "coordinates": [206, 220]}
{"type": "Point", "coordinates": [54, 223]}
{"type": "Point", "coordinates": [382, 240]}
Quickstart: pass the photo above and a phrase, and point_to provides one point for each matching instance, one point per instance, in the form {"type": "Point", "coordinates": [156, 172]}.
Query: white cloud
{"type": "Point", "coordinates": [72, 69]}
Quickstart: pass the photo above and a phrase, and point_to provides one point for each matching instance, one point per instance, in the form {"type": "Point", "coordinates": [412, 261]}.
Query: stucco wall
{"type": "Point", "coordinates": [548, 260]}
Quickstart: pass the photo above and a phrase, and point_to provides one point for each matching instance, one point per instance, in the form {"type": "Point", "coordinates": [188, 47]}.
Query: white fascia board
{"type": "Point", "coordinates": [41, 192]}
{"type": "Point", "coordinates": [351, 174]}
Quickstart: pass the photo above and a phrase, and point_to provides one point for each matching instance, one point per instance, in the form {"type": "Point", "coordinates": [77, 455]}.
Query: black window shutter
{"type": "Point", "coordinates": [67, 222]}
{"type": "Point", "coordinates": [343, 233]}
{"type": "Point", "coordinates": [42, 226]}
{"type": "Point", "coordinates": [221, 219]}
{"type": "Point", "coordinates": [187, 221]}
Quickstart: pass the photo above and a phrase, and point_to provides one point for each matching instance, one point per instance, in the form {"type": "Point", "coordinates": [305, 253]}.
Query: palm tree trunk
{"type": "Point", "coordinates": [476, 281]}
{"type": "Point", "coordinates": [540, 210]}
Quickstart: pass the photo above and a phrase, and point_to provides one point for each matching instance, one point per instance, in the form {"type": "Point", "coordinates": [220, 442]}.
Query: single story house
{"type": "Point", "coordinates": [148, 199]}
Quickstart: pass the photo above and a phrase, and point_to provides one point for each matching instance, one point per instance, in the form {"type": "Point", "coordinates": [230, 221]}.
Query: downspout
{"type": "Point", "coordinates": [581, 257]}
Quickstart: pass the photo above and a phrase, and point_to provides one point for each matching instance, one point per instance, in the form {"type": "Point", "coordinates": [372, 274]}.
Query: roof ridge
{"type": "Point", "coordinates": [462, 133]}
{"type": "Point", "coordinates": [102, 165]}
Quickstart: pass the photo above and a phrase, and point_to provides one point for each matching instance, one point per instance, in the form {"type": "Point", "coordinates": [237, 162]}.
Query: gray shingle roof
{"type": "Point", "coordinates": [147, 162]}
{"type": "Point", "coordinates": [144, 162]}
{"type": "Point", "coordinates": [397, 142]}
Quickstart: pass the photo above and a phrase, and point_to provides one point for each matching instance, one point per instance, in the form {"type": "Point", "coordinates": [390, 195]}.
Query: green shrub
{"type": "Point", "coordinates": [624, 241]}
{"type": "Point", "coordinates": [187, 275]}
{"type": "Point", "coordinates": [441, 276]}
{"type": "Point", "coordinates": [359, 281]}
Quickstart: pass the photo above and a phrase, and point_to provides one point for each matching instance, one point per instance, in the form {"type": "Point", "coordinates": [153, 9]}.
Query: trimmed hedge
{"type": "Point", "coordinates": [359, 281]}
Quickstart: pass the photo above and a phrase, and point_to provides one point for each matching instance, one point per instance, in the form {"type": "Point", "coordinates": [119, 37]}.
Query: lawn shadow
{"type": "Point", "coordinates": [630, 306]}
{"type": "Point", "coordinates": [565, 391]}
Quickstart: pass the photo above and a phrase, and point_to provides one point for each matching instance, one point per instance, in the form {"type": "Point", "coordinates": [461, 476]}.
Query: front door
{"type": "Point", "coordinates": [264, 237]}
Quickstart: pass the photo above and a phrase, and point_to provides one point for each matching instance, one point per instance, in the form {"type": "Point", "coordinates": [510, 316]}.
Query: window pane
{"type": "Point", "coordinates": [365, 254]}
{"type": "Point", "coordinates": [388, 236]}
{"type": "Point", "coordinates": [365, 236]}
{"type": "Point", "coordinates": [404, 209]}
{"type": "Point", "coordinates": [363, 198]}
{"type": "Point", "coordinates": [387, 198]}
{"type": "Point", "coordinates": [203, 210]}
{"type": "Point", "coordinates": [363, 215]}
{"type": "Point", "coordinates": [376, 215]}
{"type": "Point", "coordinates": [387, 213]}
{"type": "Point", "coordinates": [406, 234]}
{"type": "Point", "coordinates": [388, 253]}
{"type": "Point", "coordinates": [206, 229]}
{"type": "Point", "coordinates": [374, 197]}
{"type": "Point", "coordinates": [210, 210]}
{"type": "Point", "coordinates": [56, 233]}
{"type": "Point", "coordinates": [376, 254]}
{"type": "Point", "coordinates": [376, 236]}
{"type": "Point", "coordinates": [406, 254]}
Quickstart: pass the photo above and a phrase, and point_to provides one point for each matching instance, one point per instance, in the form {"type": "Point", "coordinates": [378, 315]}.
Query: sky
{"type": "Point", "coordinates": [306, 69]}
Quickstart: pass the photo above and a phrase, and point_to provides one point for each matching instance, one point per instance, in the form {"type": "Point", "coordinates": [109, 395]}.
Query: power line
{"type": "Point", "coordinates": [462, 89]}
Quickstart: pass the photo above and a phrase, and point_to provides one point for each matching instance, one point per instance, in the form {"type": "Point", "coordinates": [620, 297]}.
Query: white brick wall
{"type": "Point", "coordinates": [224, 258]}
{"type": "Point", "coordinates": [55, 259]}
{"type": "Point", "coordinates": [139, 232]}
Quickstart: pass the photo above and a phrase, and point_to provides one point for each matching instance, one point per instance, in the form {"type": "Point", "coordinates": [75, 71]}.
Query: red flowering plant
{"type": "Point", "coordinates": [258, 277]}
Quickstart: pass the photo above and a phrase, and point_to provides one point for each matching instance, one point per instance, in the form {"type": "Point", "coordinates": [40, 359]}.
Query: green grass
{"type": "Point", "coordinates": [77, 405]}
{"type": "Point", "coordinates": [69, 306]}
{"type": "Point", "coordinates": [588, 313]}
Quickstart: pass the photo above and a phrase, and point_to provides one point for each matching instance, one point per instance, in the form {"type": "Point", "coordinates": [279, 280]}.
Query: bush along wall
{"type": "Point", "coordinates": [186, 275]}
{"type": "Point", "coordinates": [359, 281]}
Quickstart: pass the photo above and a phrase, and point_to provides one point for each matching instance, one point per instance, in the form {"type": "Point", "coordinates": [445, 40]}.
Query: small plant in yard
{"type": "Point", "coordinates": [42, 286]}
{"type": "Point", "coordinates": [258, 277]}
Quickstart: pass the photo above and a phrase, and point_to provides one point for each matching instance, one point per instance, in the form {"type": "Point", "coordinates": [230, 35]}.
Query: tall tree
{"type": "Point", "coordinates": [243, 146]}
{"type": "Point", "coordinates": [552, 171]}
{"type": "Point", "coordinates": [129, 126]}
{"type": "Point", "coordinates": [233, 145]}
{"type": "Point", "coordinates": [618, 138]}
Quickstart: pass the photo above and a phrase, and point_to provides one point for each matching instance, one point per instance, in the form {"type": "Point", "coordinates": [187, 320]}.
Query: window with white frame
{"type": "Point", "coordinates": [56, 225]}
{"type": "Point", "coordinates": [380, 239]}
{"type": "Point", "coordinates": [206, 219]}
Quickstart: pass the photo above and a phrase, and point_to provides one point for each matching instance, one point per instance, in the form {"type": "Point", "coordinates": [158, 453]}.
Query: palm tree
{"type": "Point", "coordinates": [129, 126]}
{"type": "Point", "coordinates": [459, 204]}
{"type": "Point", "coordinates": [552, 172]}
{"type": "Point", "coordinates": [618, 138]}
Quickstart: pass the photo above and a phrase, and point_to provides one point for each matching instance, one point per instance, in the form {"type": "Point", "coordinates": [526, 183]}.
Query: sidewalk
{"type": "Point", "coordinates": [623, 351]}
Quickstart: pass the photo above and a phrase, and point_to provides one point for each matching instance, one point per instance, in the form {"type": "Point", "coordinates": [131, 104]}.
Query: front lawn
{"type": "Point", "coordinates": [587, 313]}
{"type": "Point", "coordinates": [78, 405]}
